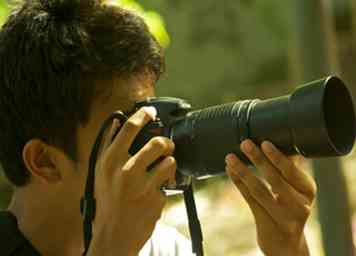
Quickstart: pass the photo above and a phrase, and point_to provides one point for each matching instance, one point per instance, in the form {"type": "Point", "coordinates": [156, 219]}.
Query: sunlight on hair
{"type": "Point", "coordinates": [154, 21]}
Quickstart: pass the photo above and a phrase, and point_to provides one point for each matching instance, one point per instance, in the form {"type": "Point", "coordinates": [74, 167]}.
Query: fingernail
{"type": "Point", "coordinates": [247, 146]}
{"type": "Point", "coordinates": [151, 111]}
{"type": "Point", "coordinates": [229, 159]}
{"type": "Point", "coordinates": [268, 147]}
{"type": "Point", "coordinates": [232, 167]}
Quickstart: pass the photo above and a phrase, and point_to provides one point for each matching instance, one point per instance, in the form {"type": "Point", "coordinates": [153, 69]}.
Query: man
{"type": "Point", "coordinates": [65, 65]}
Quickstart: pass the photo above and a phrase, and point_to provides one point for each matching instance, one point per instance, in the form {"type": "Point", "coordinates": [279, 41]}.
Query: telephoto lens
{"type": "Point", "coordinates": [316, 120]}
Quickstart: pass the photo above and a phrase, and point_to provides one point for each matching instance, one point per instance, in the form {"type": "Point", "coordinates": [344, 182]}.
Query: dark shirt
{"type": "Point", "coordinates": [12, 241]}
{"type": "Point", "coordinates": [164, 240]}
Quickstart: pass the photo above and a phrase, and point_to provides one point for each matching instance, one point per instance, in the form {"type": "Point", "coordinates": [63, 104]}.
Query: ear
{"type": "Point", "coordinates": [38, 158]}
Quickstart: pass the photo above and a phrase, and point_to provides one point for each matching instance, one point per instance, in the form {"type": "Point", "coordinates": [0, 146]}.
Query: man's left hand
{"type": "Point", "coordinates": [281, 204]}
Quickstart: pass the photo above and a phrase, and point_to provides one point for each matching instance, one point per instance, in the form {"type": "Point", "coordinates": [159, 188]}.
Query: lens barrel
{"type": "Point", "coordinates": [316, 120]}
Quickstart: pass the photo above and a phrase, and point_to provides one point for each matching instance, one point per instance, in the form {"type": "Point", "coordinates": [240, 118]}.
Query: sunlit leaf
{"type": "Point", "coordinates": [4, 11]}
{"type": "Point", "coordinates": [153, 19]}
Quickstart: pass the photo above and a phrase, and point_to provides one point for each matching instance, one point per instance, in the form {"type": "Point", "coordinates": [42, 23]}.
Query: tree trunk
{"type": "Point", "coordinates": [353, 11]}
{"type": "Point", "coordinates": [317, 57]}
{"type": "Point", "coordinates": [345, 40]}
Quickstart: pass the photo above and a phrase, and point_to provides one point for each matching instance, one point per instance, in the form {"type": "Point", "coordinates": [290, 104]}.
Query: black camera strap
{"type": "Point", "coordinates": [193, 221]}
{"type": "Point", "coordinates": [88, 202]}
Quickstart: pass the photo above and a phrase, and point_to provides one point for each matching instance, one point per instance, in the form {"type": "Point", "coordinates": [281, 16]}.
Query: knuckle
{"type": "Point", "coordinates": [291, 228]}
{"type": "Point", "coordinates": [313, 190]}
{"type": "Point", "coordinates": [160, 143]}
{"type": "Point", "coordinates": [171, 145]}
{"type": "Point", "coordinates": [132, 124]}
{"type": "Point", "coordinates": [172, 163]}
{"type": "Point", "coordinates": [310, 196]}
{"type": "Point", "coordinates": [305, 211]}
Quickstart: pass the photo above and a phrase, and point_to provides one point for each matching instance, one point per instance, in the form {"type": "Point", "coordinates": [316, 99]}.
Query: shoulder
{"type": "Point", "coordinates": [12, 241]}
{"type": "Point", "coordinates": [9, 237]}
{"type": "Point", "coordinates": [166, 241]}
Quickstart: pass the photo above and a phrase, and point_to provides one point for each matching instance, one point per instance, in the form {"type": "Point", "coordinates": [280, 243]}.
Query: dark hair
{"type": "Point", "coordinates": [52, 52]}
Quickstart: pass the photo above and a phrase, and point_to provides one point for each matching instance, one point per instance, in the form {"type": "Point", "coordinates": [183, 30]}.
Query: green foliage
{"type": "Point", "coordinates": [227, 50]}
{"type": "Point", "coordinates": [153, 19]}
{"type": "Point", "coordinates": [4, 10]}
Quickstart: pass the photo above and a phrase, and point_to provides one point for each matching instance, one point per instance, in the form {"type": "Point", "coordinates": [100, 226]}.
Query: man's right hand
{"type": "Point", "coordinates": [129, 200]}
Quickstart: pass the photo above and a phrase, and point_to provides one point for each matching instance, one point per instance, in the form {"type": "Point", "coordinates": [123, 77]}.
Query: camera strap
{"type": "Point", "coordinates": [193, 221]}
{"type": "Point", "coordinates": [88, 202]}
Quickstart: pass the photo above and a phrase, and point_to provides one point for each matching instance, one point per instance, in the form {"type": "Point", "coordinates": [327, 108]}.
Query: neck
{"type": "Point", "coordinates": [45, 224]}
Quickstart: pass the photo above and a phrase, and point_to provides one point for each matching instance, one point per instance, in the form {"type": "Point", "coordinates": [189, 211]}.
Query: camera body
{"type": "Point", "coordinates": [169, 111]}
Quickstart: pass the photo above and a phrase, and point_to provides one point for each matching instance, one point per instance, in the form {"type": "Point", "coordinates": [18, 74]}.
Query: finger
{"type": "Point", "coordinates": [163, 173]}
{"type": "Point", "coordinates": [259, 212]}
{"type": "Point", "coordinates": [256, 187]}
{"type": "Point", "coordinates": [109, 134]}
{"type": "Point", "coordinates": [156, 148]}
{"type": "Point", "coordinates": [287, 195]}
{"type": "Point", "coordinates": [132, 127]}
{"type": "Point", "coordinates": [300, 180]}
{"type": "Point", "coordinates": [298, 160]}
{"type": "Point", "coordinates": [258, 159]}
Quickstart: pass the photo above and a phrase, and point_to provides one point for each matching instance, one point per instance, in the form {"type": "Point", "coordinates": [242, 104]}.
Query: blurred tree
{"type": "Point", "coordinates": [345, 39]}
{"type": "Point", "coordinates": [353, 9]}
{"type": "Point", "coordinates": [342, 12]}
{"type": "Point", "coordinates": [236, 49]}
{"type": "Point", "coordinates": [318, 58]}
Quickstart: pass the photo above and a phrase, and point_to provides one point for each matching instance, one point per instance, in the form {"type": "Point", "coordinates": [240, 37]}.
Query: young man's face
{"type": "Point", "coordinates": [122, 97]}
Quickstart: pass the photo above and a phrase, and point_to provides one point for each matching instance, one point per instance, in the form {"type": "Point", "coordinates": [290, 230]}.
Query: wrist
{"type": "Point", "coordinates": [295, 248]}
{"type": "Point", "coordinates": [302, 249]}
